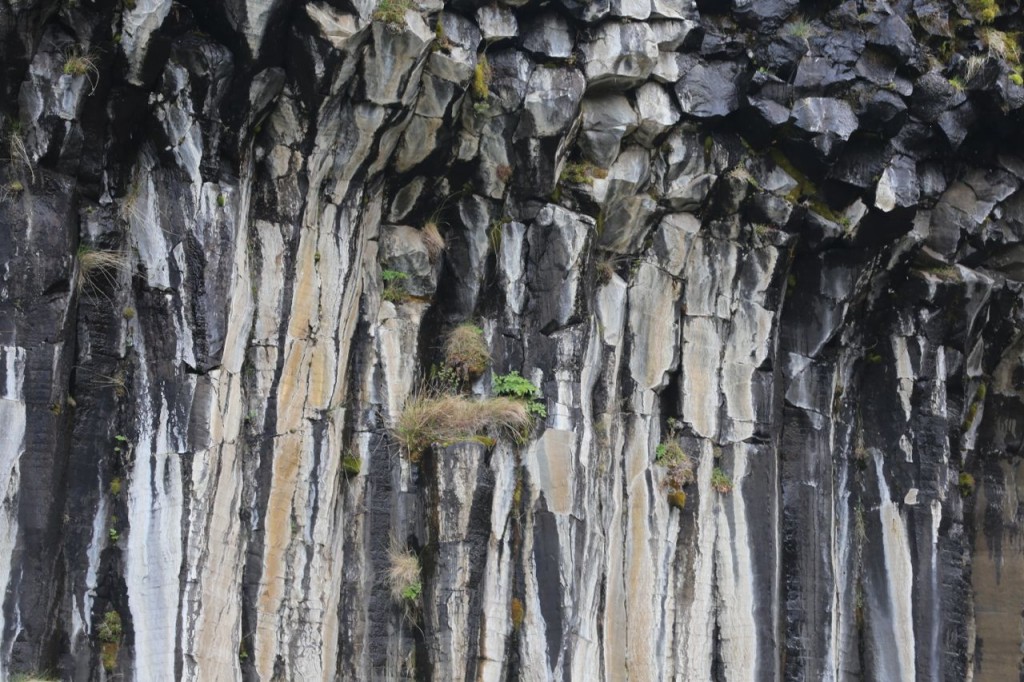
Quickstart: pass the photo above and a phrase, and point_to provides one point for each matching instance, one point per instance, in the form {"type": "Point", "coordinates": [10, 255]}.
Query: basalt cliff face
{"type": "Point", "coordinates": [762, 260]}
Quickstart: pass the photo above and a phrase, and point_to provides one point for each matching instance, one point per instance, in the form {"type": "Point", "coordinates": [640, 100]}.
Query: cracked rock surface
{"type": "Point", "coordinates": [762, 261]}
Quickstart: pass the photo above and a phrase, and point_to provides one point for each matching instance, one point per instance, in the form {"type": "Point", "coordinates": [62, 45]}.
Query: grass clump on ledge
{"type": "Point", "coordinates": [799, 28]}
{"type": "Point", "coordinates": [466, 352]}
{"type": "Point", "coordinates": [80, 63]}
{"type": "Point", "coordinates": [394, 286]}
{"type": "Point", "coordinates": [678, 467]}
{"type": "Point", "coordinates": [391, 13]}
{"type": "Point", "coordinates": [984, 11]}
{"type": "Point", "coordinates": [721, 482]}
{"type": "Point", "coordinates": [1001, 44]}
{"type": "Point", "coordinates": [582, 173]}
{"type": "Point", "coordinates": [451, 418]}
{"type": "Point", "coordinates": [432, 240]}
{"type": "Point", "coordinates": [109, 633]}
{"type": "Point", "coordinates": [95, 266]}
{"type": "Point", "coordinates": [403, 577]}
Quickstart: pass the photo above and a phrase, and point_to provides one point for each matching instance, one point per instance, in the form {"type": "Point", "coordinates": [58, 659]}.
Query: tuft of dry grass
{"type": "Point", "coordinates": [118, 381]}
{"type": "Point", "coordinates": [403, 577]}
{"type": "Point", "coordinates": [450, 418]}
{"type": "Point", "coordinates": [19, 153]}
{"type": "Point", "coordinates": [465, 351]}
{"type": "Point", "coordinates": [433, 240]}
{"type": "Point", "coordinates": [1000, 44]}
{"type": "Point", "coordinates": [77, 62]}
{"type": "Point", "coordinates": [974, 65]}
{"type": "Point", "coordinates": [95, 266]}
{"type": "Point", "coordinates": [606, 265]}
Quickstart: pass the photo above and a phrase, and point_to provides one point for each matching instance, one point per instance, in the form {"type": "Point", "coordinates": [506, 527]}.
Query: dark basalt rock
{"type": "Point", "coordinates": [892, 35]}
{"type": "Point", "coordinates": [753, 268]}
{"type": "Point", "coordinates": [763, 15]}
{"type": "Point", "coordinates": [708, 89]}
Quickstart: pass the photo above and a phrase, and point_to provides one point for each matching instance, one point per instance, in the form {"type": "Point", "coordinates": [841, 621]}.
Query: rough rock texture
{"type": "Point", "coordinates": [784, 236]}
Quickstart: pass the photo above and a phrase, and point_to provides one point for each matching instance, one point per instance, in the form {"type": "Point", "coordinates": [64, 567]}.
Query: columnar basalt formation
{"type": "Point", "coordinates": [762, 261]}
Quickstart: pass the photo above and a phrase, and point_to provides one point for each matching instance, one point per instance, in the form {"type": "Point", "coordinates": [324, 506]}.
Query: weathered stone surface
{"type": "Point", "coordinates": [823, 115]}
{"type": "Point", "coordinates": [656, 111]}
{"type": "Point", "coordinates": [672, 35]}
{"type": "Point", "coordinates": [557, 239]}
{"type": "Point", "coordinates": [392, 57]}
{"type": "Point", "coordinates": [496, 22]}
{"type": "Point", "coordinates": [548, 35]}
{"type": "Point", "coordinates": [551, 103]}
{"type": "Point", "coordinates": [607, 119]}
{"type": "Point", "coordinates": [767, 14]}
{"type": "Point", "coordinates": [402, 249]}
{"type": "Point", "coordinates": [620, 54]}
{"type": "Point", "coordinates": [630, 9]}
{"type": "Point", "coordinates": [235, 238]}
{"type": "Point", "coordinates": [898, 185]}
{"type": "Point", "coordinates": [707, 89]}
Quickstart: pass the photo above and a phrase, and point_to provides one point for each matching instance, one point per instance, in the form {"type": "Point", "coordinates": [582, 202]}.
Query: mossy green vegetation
{"type": "Point", "coordinates": [677, 499]}
{"type": "Point", "coordinates": [391, 13]}
{"type": "Point", "coordinates": [582, 173]}
{"type": "Point", "coordinates": [482, 79]}
{"type": "Point", "coordinates": [720, 481]}
{"type": "Point", "coordinates": [806, 191]}
{"type": "Point", "coordinates": [109, 632]}
{"type": "Point", "coordinates": [441, 41]}
{"type": "Point", "coordinates": [985, 11]}
{"type": "Point", "coordinates": [976, 402]}
{"type": "Point", "coordinates": [351, 465]}
{"type": "Point", "coordinates": [394, 286]}
{"type": "Point", "coordinates": [678, 466]}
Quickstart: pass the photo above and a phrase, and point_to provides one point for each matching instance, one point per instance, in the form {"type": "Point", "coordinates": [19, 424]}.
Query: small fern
{"type": "Point", "coordinates": [513, 385]}
{"type": "Point", "coordinates": [394, 286]}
